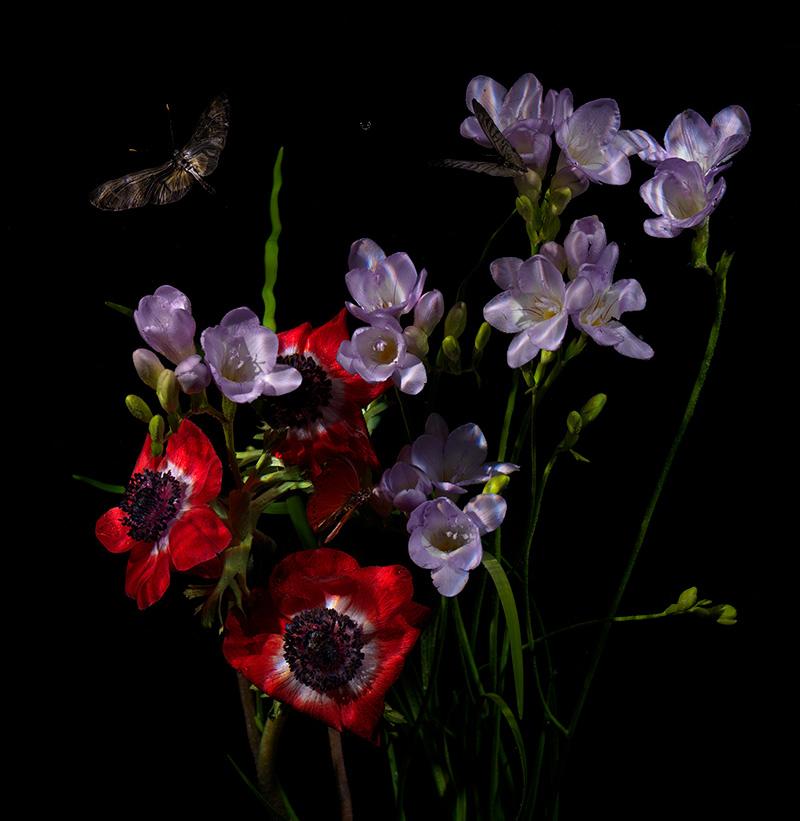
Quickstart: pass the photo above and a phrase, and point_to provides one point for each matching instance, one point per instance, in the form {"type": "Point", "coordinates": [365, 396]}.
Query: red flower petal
{"type": "Point", "coordinates": [146, 459]}
{"type": "Point", "coordinates": [191, 452]}
{"type": "Point", "coordinates": [294, 341]}
{"type": "Point", "coordinates": [198, 536]}
{"type": "Point", "coordinates": [113, 535]}
{"type": "Point", "coordinates": [147, 577]}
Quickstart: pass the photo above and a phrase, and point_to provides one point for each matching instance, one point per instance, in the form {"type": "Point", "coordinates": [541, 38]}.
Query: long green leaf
{"type": "Point", "coordinates": [271, 248]}
{"type": "Point", "coordinates": [466, 651]}
{"type": "Point", "coordinates": [99, 485]}
{"type": "Point", "coordinates": [516, 732]}
{"type": "Point", "coordinates": [503, 587]}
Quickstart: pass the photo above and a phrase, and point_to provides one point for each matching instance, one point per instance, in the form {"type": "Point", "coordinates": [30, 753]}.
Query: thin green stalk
{"type": "Point", "coordinates": [462, 288]}
{"type": "Point", "coordinates": [228, 414]}
{"type": "Point", "coordinates": [337, 759]}
{"type": "Point", "coordinates": [249, 711]}
{"type": "Point", "coordinates": [267, 759]}
{"type": "Point", "coordinates": [296, 508]}
{"type": "Point", "coordinates": [720, 282]}
{"type": "Point", "coordinates": [403, 412]}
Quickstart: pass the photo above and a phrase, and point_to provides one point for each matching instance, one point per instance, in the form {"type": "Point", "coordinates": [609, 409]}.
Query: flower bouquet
{"type": "Point", "coordinates": [356, 509]}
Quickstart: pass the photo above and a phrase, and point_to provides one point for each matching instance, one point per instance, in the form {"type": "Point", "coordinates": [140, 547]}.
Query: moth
{"type": "Point", "coordinates": [339, 492]}
{"type": "Point", "coordinates": [510, 164]}
{"type": "Point", "coordinates": [170, 181]}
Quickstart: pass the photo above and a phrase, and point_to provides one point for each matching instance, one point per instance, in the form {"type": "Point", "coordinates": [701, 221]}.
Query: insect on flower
{"type": "Point", "coordinates": [510, 164]}
{"type": "Point", "coordinates": [171, 181]}
{"type": "Point", "coordinates": [339, 492]}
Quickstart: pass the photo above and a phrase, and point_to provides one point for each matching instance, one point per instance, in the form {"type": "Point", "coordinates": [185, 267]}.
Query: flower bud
{"type": "Point", "coordinates": [456, 320]}
{"type": "Point", "coordinates": [416, 341]}
{"type": "Point", "coordinates": [429, 311]}
{"type": "Point", "coordinates": [148, 366]}
{"type": "Point", "coordinates": [574, 422]}
{"type": "Point", "coordinates": [529, 185]}
{"type": "Point", "coordinates": [497, 484]}
{"type": "Point", "coordinates": [167, 390]}
{"type": "Point", "coordinates": [687, 599]}
{"type": "Point", "coordinates": [451, 349]}
{"type": "Point", "coordinates": [559, 199]}
{"type": "Point", "coordinates": [591, 410]}
{"type": "Point", "coordinates": [482, 337]}
{"type": "Point", "coordinates": [725, 613]}
{"type": "Point", "coordinates": [138, 408]}
{"type": "Point", "coordinates": [193, 375]}
{"type": "Point", "coordinates": [156, 429]}
{"type": "Point", "coordinates": [525, 207]}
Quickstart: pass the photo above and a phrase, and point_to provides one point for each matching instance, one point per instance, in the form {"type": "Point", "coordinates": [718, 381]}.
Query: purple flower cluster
{"type": "Point", "coordinates": [685, 188]}
{"type": "Point", "coordinates": [537, 303]}
{"type": "Point", "coordinates": [240, 353]}
{"type": "Point", "coordinates": [443, 538]}
{"type": "Point", "coordinates": [384, 289]}
{"type": "Point", "coordinates": [593, 149]}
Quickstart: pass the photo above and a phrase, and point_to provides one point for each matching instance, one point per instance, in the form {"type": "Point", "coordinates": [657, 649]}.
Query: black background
{"type": "Point", "coordinates": [139, 709]}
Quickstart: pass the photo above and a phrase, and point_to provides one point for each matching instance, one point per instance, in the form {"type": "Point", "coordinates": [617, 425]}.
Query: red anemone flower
{"type": "Point", "coordinates": [164, 519]}
{"type": "Point", "coordinates": [329, 637]}
{"type": "Point", "coordinates": [323, 415]}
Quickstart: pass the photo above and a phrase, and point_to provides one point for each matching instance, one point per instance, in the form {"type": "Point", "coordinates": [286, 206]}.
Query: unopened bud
{"type": "Point", "coordinates": [482, 337]}
{"type": "Point", "coordinates": [725, 613]}
{"type": "Point", "coordinates": [687, 599]}
{"type": "Point", "coordinates": [193, 375]}
{"type": "Point", "coordinates": [559, 199]}
{"type": "Point", "coordinates": [456, 320]}
{"type": "Point", "coordinates": [574, 423]}
{"type": "Point", "coordinates": [156, 429]}
{"type": "Point", "coordinates": [416, 341]}
{"type": "Point", "coordinates": [138, 408]}
{"type": "Point", "coordinates": [497, 484]}
{"type": "Point", "coordinates": [429, 311]}
{"type": "Point", "coordinates": [529, 185]}
{"type": "Point", "coordinates": [591, 410]}
{"type": "Point", "coordinates": [148, 366]}
{"type": "Point", "coordinates": [167, 390]}
{"type": "Point", "coordinates": [451, 349]}
{"type": "Point", "coordinates": [525, 207]}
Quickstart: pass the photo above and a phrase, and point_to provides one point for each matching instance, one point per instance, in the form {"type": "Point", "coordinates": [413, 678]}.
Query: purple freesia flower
{"type": "Point", "coordinates": [447, 541]}
{"type": "Point", "coordinates": [690, 138]}
{"type": "Point", "coordinates": [241, 354]}
{"type": "Point", "coordinates": [536, 309]}
{"type": "Point", "coordinates": [682, 196]}
{"type": "Point", "coordinates": [524, 115]}
{"type": "Point", "coordinates": [403, 486]}
{"type": "Point", "coordinates": [379, 352]}
{"type": "Point", "coordinates": [451, 460]}
{"type": "Point", "coordinates": [591, 142]}
{"type": "Point", "coordinates": [165, 321]}
{"type": "Point", "coordinates": [600, 318]}
{"type": "Point", "coordinates": [381, 285]}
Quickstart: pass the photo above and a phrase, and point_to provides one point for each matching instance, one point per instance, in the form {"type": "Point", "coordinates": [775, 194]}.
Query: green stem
{"type": "Point", "coordinates": [337, 758]}
{"type": "Point", "coordinates": [462, 288]}
{"type": "Point", "coordinates": [228, 414]}
{"type": "Point", "coordinates": [266, 762]}
{"type": "Point", "coordinates": [720, 282]}
{"type": "Point", "coordinates": [248, 708]}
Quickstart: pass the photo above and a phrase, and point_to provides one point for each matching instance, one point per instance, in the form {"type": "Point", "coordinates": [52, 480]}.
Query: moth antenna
{"type": "Point", "coordinates": [171, 132]}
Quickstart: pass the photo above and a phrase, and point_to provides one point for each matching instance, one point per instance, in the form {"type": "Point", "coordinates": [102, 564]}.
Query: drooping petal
{"type": "Point", "coordinates": [449, 580]}
{"type": "Point", "coordinates": [147, 575]}
{"type": "Point", "coordinates": [632, 346]}
{"type": "Point", "coordinates": [280, 380]}
{"type": "Point", "coordinates": [487, 511]}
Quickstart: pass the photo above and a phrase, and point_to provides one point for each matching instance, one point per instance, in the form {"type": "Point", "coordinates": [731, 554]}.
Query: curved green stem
{"type": "Point", "coordinates": [296, 508]}
{"type": "Point", "coordinates": [720, 282]}
{"type": "Point", "coordinates": [337, 759]}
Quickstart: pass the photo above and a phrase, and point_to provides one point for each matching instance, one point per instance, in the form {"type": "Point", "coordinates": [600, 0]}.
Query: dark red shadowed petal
{"type": "Point", "coordinates": [147, 576]}
{"type": "Point", "coordinates": [211, 569]}
{"type": "Point", "coordinates": [339, 491]}
{"type": "Point", "coordinates": [385, 593]}
{"type": "Point", "coordinates": [198, 536]}
{"type": "Point", "coordinates": [320, 565]}
{"type": "Point", "coordinates": [190, 450]}
{"type": "Point", "coordinates": [112, 533]}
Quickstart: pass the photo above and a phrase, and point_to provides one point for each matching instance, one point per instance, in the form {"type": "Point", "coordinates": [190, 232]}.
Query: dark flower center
{"type": "Point", "coordinates": [303, 405]}
{"type": "Point", "coordinates": [323, 648]}
{"type": "Point", "coordinates": [150, 503]}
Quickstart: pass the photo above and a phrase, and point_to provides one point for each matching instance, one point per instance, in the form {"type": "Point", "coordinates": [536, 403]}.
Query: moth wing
{"type": "Point", "coordinates": [203, 149]}
{"type": "Point", "coordinates": [138, 189]}
{"type": "Point", "coordinates": [495, 169]}
{"type": "Point", "coordinates": [501, 145]}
